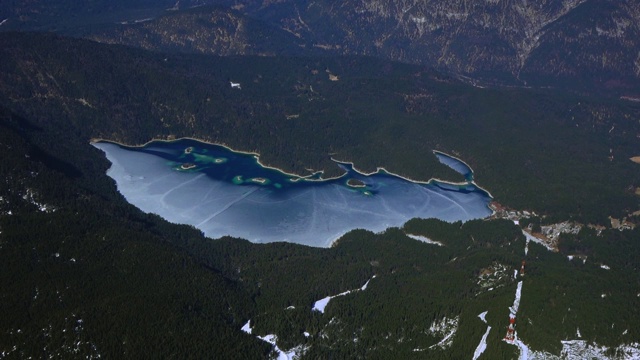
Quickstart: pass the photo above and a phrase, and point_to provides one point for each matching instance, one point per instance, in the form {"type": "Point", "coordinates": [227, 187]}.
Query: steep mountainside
{"type": "Point", "coordinates": [586, 45]}
{"type": "Point", "coordinates": [489, 40]}
{"type": "Point", "coordinates": [207, 30]}
{"type": "Point", "coordinates": [596, 43]}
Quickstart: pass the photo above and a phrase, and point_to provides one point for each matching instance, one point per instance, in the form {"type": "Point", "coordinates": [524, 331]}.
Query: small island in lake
{"type": "Point", "coordinates": [356, 183]}
{"type": "Point", "coordinates": [260, 180]}
{"type": "Point", "coordinates": [188, 150]}
{"type": "Point", "coordinates": [187, 166]}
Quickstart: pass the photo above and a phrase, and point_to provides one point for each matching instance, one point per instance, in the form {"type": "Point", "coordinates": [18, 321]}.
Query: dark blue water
{"type": "Point", "coordinates": [223, 192]}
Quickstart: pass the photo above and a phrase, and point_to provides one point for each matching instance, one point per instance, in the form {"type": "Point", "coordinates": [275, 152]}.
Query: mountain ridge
{"type": "Point", "coordinates": [579, 45]}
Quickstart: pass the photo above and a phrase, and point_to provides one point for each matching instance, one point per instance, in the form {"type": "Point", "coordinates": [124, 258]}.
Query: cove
{"type": "Point", "coordinates": [223, 192]}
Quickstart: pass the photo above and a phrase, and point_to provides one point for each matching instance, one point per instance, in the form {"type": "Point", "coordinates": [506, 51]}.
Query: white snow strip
{"type": "Point", "coordinates": [425, 239]}
{"type": "Point", "coordinates": [321, 304]}
{"type": "Point", "coordinates": [483, 316]}
{"type": "Point", "coordinates": [603, 266]}
{"type": "Point", "coordinates": [482, 346]}
{"type": "Point", "coordinates": [446, 341]}
{"type": "Point", "coordinates": [516, 301]}
{"type": "Point", "coordinates": [524, 349]}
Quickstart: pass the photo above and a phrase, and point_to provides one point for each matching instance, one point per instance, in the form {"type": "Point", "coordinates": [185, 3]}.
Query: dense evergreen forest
{"type": "Point", "coordinates": [85, 274]}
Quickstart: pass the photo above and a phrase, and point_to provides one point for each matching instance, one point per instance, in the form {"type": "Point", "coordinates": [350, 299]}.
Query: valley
{"type": "Point", "coordinates": [340, 216]}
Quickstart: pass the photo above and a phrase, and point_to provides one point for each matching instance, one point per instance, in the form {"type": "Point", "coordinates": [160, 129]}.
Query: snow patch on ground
{"type": "Point", "coordinates": [629, 351]}
{"type": "Point", "coordinates": [447, 328]}
{"type": "Point", "coordinates": [31, 196]}
{"type": "Point", "coordinates": [247, 327]}
{"type": "Point", "coordinates": [482, 346]}
{"type": "Point", "coordinates": [483, 316]}
{"type": "Point", "coordinates": [536, 240]}
{"type": "Point", "coordinates": [524, 349]}
{"type": "Point", "coordinates": [580, 350]}
{"type": "Point", "coordinates": [425, 239]}
{"type": "Point", "coordinates": [606, 267]}
{"type": "Point", "coordinates": [493, 276]}
{"type": "Point", "coordinates": [321, 304]}
{"type": "Point", "coordinates": [291, 354]}
{"type": "Point", "coordinates": [516, 302]}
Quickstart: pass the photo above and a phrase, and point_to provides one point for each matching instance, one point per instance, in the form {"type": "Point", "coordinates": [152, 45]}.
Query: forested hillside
{"type": "Point", "coordinates": [85, 274]}
{"type": "Point", "coordinates": [552, 153]}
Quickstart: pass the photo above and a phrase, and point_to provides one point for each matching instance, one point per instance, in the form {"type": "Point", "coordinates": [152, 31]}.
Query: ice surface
{"type": "Point", "coordinates": [313, 213]}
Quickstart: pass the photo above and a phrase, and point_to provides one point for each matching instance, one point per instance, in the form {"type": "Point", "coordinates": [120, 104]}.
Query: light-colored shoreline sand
{"type": "Point", "coordinates": [254, 154]}
{"type": "Point", "coordinates": [306, 177]}
{"type": "Point", "coordinates": [635, 159]}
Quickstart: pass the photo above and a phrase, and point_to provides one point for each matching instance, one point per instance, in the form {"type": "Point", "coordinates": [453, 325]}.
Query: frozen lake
{"type": "Point", "coordinates": [223, 192]}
